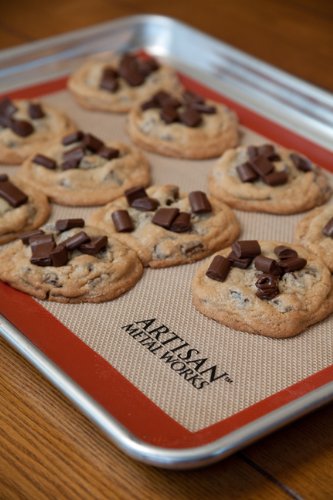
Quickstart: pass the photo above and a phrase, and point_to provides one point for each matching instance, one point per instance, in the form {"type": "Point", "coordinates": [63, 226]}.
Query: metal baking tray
{"type": "Point", "coordinates": [248, 83]}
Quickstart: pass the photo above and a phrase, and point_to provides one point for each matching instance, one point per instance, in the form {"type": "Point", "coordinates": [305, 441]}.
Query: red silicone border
{"type": "Point", "coordinates": [105, 384]}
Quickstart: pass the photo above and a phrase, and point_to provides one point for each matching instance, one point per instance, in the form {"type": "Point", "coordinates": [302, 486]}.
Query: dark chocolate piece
{"type": "Point", "coordinates": [12, 194]}
{"type": "Point", "coordinates": [45, 161]}
{"type": "Point", "coordinates": [92, 143]}
{"type": "Point", "coordinates": [190, 117]}
{"type": "Point", "coordinates": [35, 111]}
{"type": "Point", "coordinates": [182, 223]}
{"type": "Point", "coordinates": [151, 103]}
{"type": "Point", "coordinates": [22, 128]}
{"type": "Point", "coordinates": [247, 248]}
{"type": "Point", "coordinates": [74, 154]}
{"type": "Point", "coordinates": [3, 177]}
{"type": "Point", "coordinates": [129, 70]}
{"type": "Point", "coordinates": [238, 262]}
{"type": "Point", "coordinates": [169, 114]}
{"type": "Point", "coordinates": [191, 98]}
{"type": "Point", "coordinates": [301, 163]}
{"type": "Point", "coordinates": [76, 240]}
{"type": "Point", "coordinates": [219, 268]}
{"type": "Point", "coordinates": [109, 80]}
{"type": "Point", "coordinates": [94, 246]}
{"type": "Point", "coordinates": [25, 237]}
{"type": "Point", "coordinates": [65, 224]}
{"type": "Point", "coordinates": [7, 107]}
{"type": "Point", "coordinates": [267, 265]}
{"type": "Point", "coordinates": [268, 150]}
{"type": "Point", "coordinates": [164, 217]}
{"type": "Point", "coordinates": [134, 193]}
{"type": "Point", "coordinates": [268, 287]}
{"type": "Point", "coordinates": [41, 247]}
{"type": "Point", "coordinates": [72, 138]}
{"type": "Point", "coordinates": [292, 264]}
{"type": "Point", "coordinates": [67, 165]}
{"type": "Point", "coordinates": [122, 221]}
{"type": "Point", "coordinates": [246, 172]}
{"type": "Point", "coordinates": [59, 256]}
{"type": "Point", "coordinates": [262, 166]}
{"type": "Point", "coordinates": [205, 109]}
{"type": "Point", "coordinates": [41, 239]}
{"type": "Point", "coordinates": [276, 178]}
{"type": "Point", "coordinates": [199, 202]}
{"type": "Point", "coordinates": [109, 153]}
{"type": "Point", "coordinates": [328, 228]}
{"type": "Point", "coordinates": [145, 204]}
{"type": "Point", "coordinates": [284, 252]}
{"type": "Point", "coordinates": [148, 66]}
{"type": "Point", "coordinates": [252, 152]}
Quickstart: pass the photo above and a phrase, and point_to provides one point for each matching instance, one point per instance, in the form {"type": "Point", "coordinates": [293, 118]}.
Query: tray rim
{"type": "Point", "coordinates": [163, 457]}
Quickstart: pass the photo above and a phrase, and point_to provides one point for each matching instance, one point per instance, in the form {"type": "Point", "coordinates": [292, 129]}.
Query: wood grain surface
{"type": "Point", "coordinates": [47, 448]}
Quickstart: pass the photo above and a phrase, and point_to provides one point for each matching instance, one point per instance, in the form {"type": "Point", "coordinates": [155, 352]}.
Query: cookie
{"type": "Point", "coordinates": [116, 83]}
{"type": "Point", "coordinates": [22, 208]}
{"type": "Point", "coordinates": [26, 126]}
{"type": "Point", "coordinates": [80, 169]}
{"type": "Point", "coordinates": [183, 126]}
{"type": "Point", "coordinates": [70, 263]}
{"type": "Point", "coordinates": [266, 288]}
{"type": "Point", "coordinates": [269, 179]}
{"type": "Point", "coordinates": [315, 232]}
{"type": "Point", "coordinates": [166, 228]}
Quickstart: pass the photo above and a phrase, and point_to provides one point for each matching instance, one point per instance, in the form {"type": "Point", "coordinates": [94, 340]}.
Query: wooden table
{"type": "Point", "coordinates": [48, 449]}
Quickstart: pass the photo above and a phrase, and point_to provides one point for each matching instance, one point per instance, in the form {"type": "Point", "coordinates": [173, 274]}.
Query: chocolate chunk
{"type": "Point", "coordinates": [284, 252]}
{"type": "Point", "coordinates": [122, 221]}
{"type": "Point", "coordinates": [25, 237]}
{"type": "Point", "coordinates": [67, 165]}
{"type": "Point", "coordinates": [248, 248]}
{"type": "Point", "coordinates": [292, 264]}
{"type": "Point", "coordinates": [267, 265]}
{"type": "Point", "coordinates": [190, 117]}
{"type": "Point", "coordinates": [35, 111]}
{"type": "Point", "coordinates": [92, 143]}
{"type": "Point", "coordinates": [74, 154]}
{"type": "Point", "coordinates": [109, 80]}
{"type": "Point", "coordinates": [3, 177]}
{"type": "Point", "coordinates": [41, 239]}
{"type": "Point", "coordinates": [301, 163]}
{"type": "Point", "coordinates": [165, 216]}
{"type": "Point", "coordinates": [169, 114]}
{"type": "Point", "coordinates": [191, 97]}
{"type": "Point", "coordinates": [129, 70]}
{"type": "Point", "coordinates": [163, 98]}
{"type": "Point", "coordinates": [94, 246]}
{"type": "Point", "coordinates": [328, 228]}
{"type": "Point", "coordinates": [134, 193]}
{"type": "Point", "coordinates": [246, 172]}
{"type": "Point", "coordinates": [109, 72]}
{"type": "Point", "coordinates": [76, 240]}
{"type": "Point", "coordinates": [145, 204]}
{"type": "Point", "coordinates": [41, 254]}
{"type": "Point", "coordinates": [12, 194]}
{"type": "Point", "coordinates": [109, 153]}
{"type": "Point", "coordinates": [22, 128]}
{"type": "Point", "coordinates": [252, 152]}
{"type": "Point", "coordinates": [45, 161]}
{"type": "Point", "coordinates": [269, 152]}
{"type": "Point", "coordinates": [199, 202]}
{"type": "Point", "coordinates": [268, 287]}
{"type": "Point", "coordinates": [262, 166]}
{"type": "Point", "coordinates": [203, 108]}
{"type": "Point", "coordinates": [238, 262]}
{"type": "Point", "coordinates": [276, 178]}
{"type": "Point", "coordinates": [72, 138]}
{"type": "Point", "coordinates": [148, 66]}
{"type": "Point", "coordinates": [59, 256]}
{"type": "Point", "coordinates": [65, 224]}
{"type": "Point", "coordinates": [182, 223]}
{"type": "Point", "coordinates": [219, 268]}
{"type": "Point", "coordinates": [7, 107]}
{"type": "Point", "coordinates": [151, 103]}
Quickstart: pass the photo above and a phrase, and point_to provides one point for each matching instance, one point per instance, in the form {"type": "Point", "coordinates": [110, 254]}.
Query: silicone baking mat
{"type": "Point", "coordinates": [157, 388]}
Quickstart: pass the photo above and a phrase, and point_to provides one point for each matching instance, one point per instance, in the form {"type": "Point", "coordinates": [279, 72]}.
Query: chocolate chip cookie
{"type": "Point", "coordinates": [267, 288]}
{"type": "Point", "coordinates": [183, 126]}
{"type": "Point", "coordinates": [26, 126]}
{"type": "Point", "coordinates": [22, 208]}
{"type": "Point", "coordinates": [315, 232]}
{"type": "Point", "coordinates": [81, 169]}
{"type": "Point", "coordinates": [116, 83]}
{"type": "Point", "coordinates": [166, 228]}
{"type": "Point", "coordinates": [70, 262]}
{"type": "Point", "coordinates": [268, 178]}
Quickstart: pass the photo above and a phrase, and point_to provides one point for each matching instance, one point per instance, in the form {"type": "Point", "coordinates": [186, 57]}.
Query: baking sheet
{"type": "Point", "coordinates": [255, 368]}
